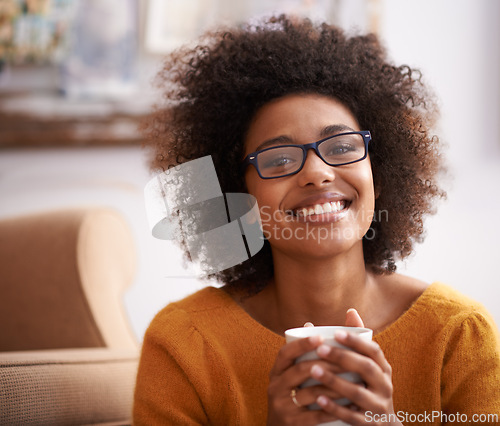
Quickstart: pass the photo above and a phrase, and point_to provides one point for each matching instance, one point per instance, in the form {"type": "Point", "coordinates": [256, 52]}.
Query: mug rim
{"type": "Point", "coordinates": [296, 331]}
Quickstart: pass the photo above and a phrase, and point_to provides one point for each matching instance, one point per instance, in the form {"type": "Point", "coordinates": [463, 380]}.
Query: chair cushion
{"type": "Point", "coordinates": [67, 386]}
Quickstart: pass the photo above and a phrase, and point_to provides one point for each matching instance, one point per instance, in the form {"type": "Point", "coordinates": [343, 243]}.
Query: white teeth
{"type": "Point", "coordinates": [333, 207]}
{"type": "Point", "coordinates": [318, 209]}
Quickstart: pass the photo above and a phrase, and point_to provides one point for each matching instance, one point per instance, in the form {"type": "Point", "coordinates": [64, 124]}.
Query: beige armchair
{"type": "Point", "coordinates": [67, 353]}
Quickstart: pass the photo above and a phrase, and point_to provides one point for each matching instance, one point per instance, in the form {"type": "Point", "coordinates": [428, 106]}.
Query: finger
{"type": "Point", "coordinates": [365, 347]}
{"type": "Point", "coordinates": [310, 417]}
{"type": "Point", "coordinates": [355, 392]}
{"type": "Point", "coordinates": [367, 368]}
{"type": "Point", "coordinates": [289, 352]}
{"type": "Point", "coordinates": [297, 374]}
{"type": "Point", "coordinates": [348, 415]}
{"type": "Point", "coordinates": [291, 412]}
{"type": "Point", "coordinates": [308, 396]}
{"type": "Point", "coordinates": [352, 318]}
{"type": "Point", "coordinates": [308, 324]}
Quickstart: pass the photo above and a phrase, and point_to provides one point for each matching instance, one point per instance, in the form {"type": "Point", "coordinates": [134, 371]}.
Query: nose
{"type": "Point", "coordinates": [315, 171]}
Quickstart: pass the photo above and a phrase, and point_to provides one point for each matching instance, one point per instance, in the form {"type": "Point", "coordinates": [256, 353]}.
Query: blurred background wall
{"type": "Point", "coordinates": [68, 133]}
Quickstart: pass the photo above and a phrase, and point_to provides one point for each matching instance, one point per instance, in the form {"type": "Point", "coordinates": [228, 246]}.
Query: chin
{"type": "Point", "coordinates": [319, 249]}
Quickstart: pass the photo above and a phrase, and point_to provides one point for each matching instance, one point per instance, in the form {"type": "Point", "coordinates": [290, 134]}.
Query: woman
{"type": "Point", "coordinates": [287, 110]}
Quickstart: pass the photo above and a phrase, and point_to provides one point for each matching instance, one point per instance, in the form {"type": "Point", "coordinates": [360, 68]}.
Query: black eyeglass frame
{"type": "Point", "coordinates": [252, 157]}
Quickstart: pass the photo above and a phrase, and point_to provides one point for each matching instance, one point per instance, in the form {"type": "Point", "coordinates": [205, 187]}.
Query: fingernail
{"type": "Point", "coordinates": [340, 335]}
{"type": "Point", "coordinates": [324, 350]}
{"type": "Point", "coordinates": [317, 371]}
{"type": "Point", "coordinates": [322, 401]}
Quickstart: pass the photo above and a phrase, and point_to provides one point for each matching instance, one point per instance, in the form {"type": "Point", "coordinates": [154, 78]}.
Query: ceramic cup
{"type": "Point", "coordinates": [328, 334]}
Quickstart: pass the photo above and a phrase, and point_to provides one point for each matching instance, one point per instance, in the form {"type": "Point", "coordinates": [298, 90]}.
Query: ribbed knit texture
{"type": "Point", "coordinates": [206, 361]}
{"type": "Point", "coordinates": [67, 386]}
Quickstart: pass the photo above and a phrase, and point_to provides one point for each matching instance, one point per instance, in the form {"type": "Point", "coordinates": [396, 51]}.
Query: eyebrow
{"type": "Point", "coordinates": [326, 131]}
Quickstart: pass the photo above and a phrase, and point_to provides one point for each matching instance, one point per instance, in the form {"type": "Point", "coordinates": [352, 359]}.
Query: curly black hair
{"type": "Point", "coordinates": [212, 92]}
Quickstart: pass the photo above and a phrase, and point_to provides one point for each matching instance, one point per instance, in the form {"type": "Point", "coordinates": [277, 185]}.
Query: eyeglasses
{"type": "Point", "coordinates": [286, 160]}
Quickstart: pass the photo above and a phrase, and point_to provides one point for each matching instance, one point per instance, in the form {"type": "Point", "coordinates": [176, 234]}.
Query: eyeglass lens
{"type": "Point", "coordinates": [337, 150]}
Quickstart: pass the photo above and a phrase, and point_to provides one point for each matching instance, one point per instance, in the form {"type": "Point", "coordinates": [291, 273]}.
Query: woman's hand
{"type": "Point", "coordinates": [366, 359]}
{"type": "Point", "coordinates": [287, 404]}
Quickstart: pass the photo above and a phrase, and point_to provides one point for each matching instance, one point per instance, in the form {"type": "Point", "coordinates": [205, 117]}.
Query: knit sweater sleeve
{"type": "Point", "coordinates": [164, 392]}
{"type": "Point", "coordinates": [471, 367]}
{"type": "Point", "coordinates": [161, 398]}
{"type": "Point", "coordinates": [204, 361]}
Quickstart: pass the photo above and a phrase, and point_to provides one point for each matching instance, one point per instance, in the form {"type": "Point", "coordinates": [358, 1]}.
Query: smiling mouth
{"type": "Point", "coordinates": [321, 209]}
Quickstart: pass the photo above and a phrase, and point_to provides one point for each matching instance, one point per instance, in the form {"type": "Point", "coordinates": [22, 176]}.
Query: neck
{"type": "Point", "coordinates": [317, 290]}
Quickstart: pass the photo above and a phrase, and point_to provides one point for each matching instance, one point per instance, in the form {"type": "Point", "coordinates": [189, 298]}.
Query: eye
{"type": "Point", "coordinates": [340, 149]}
{"type": "Point", "coordinates": [280, 160]}
{"type": "Point", "coordinates": [343, 148]}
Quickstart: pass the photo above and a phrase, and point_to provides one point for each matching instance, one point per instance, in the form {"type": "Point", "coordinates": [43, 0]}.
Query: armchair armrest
{"type": "Point", "coordinates": [63, 277]}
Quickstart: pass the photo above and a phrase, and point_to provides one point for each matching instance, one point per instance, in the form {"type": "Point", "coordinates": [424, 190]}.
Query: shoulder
{"type": "Point", "coordinates": [202, 302]}
{"type": "Point", "coordinates": [437, 310]}
{"type": "Point", "coordinates": [443, 310]}
{"type": "Point", "coordinates": [463, 318]}
{"type": "Point", "coordinates": [180, 320]}
{"type": "Point", "coordinates": [470, 343]}
{"type": "Point", "coordinates": [445, 301]}
{"type": "Point", "coordinates": [184, 371]}
{"type": "Point", "coordinates": [437, 298]}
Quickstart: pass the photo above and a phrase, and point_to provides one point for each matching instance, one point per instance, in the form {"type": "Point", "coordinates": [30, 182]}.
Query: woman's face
{"type": "Point", "coordinates": [342, 197]}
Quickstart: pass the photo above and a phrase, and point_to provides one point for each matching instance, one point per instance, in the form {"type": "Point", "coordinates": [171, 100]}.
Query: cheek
{"type": "Point", "coordinates": [264, 190]}
{"type": "Point", "coordinates": [268, 195]}
{"type": "Point", "coordinates": [369, 189]}
{"type": "Point", "coordinates": [363, 182]}
{"type": "Point", "coordinates": [366, 182]}
{"type": "Point", "coordinates": [267, 202]}
{"type": "Point", "coordinates": [258, 188]}
{"type": "Point", "coordinates": [369, 198]}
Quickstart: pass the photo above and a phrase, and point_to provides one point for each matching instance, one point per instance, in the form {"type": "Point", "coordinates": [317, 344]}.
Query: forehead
{"type": "Point", "coordinates": [299, 117]}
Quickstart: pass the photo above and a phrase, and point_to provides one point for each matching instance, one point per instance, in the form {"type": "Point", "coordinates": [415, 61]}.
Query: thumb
{"type": "Point", "coordinates": [352, 318]}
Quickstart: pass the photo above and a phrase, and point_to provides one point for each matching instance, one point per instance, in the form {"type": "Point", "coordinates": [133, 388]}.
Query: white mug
{"type": "Point", "coordinates": [328, 334]}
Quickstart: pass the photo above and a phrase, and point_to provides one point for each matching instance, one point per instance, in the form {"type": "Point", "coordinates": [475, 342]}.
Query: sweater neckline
{"type": "Point", "coordinates": [246, 320]}
{"type": "Point", "coordinates": [405, 318]}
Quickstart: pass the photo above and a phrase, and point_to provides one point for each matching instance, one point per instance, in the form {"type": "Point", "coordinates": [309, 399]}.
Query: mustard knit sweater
{"type": "Point", "coordinates": [206, 361]}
